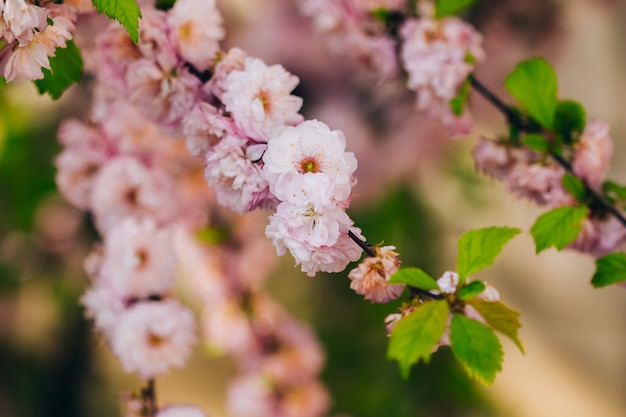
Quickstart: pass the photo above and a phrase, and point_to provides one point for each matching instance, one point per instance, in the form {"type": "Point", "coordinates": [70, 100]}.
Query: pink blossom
{"type": "Point", "coordinates": [21, 20]}
{"type": "Point", "coordinates": [237, 181]}
{"type": "Point", "coordinates": [251, 396]}
{"type": "Point", "coordinates": [371, 277]}
{"type": "Point", "coordinates": [435, 55]}
{"type": "Point", "coordinates": [448, 282]}
{"type": "Point", "coordinates": [259, 99]}
{"type": "Point", "coordinates": [492, 158]}
{"type": "Point", "coordinates": [542, 184]}
{"type": "Point", "coordinates": [197, 29]}
{"type": "Point", "coordinates": [180, 411]}
{"type": "Point", "coordinates": [306, 400]}
{"type": "Point", "coordinates": [115, 51]}
{"type": "Point", "coordinates": [154, 42]}
{"type": "Point", "coordinates": [126, 188]}
{"type": "Point", "coordinates": [25, 62]}
{"type": "Point", "coordinates": [103, 306]}
{"type": "Point", "coordinates": [164, 96]}
{"type": "Point", "coordinates": [376, 54]}
{"type": "Point", "coordinates": [203, 127]}
{"type": "Point", "coordinates": [138, 260]}
{"type": "Point", "coordinates": [599, 237]}
{"type": "Point", "coordinates": [592, 153]}
{"type": "Point", "coordinates": [227, 329]}
{"type": "Point", "coordinates": [76, 172]}
{"type": "Point", "coordinates": [233, 59]}
{"type": "Point", "coordinates": [310, 148]}
{"type": "Point", "coordinates": [152, 337]}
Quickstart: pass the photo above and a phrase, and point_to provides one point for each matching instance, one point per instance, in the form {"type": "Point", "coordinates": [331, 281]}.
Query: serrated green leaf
{"type": "Point", "coordinates": [478, 249]}
{"type": "Point", "coordinates": [570, 118]}
{"type": "Point", "coordinates": [536, 142]}
{"type": "Point", "coordinates": [534, 84]}
{"type": "Point", "coordinates": [66, 68]}
{"type": "Point", "coordinates": [610, 269]}
{"type": "Point", "coordinates": [574, 186]}
{"type": "Point", "coordinates": [501, 318]}
{"type": "Point", "coordinates": [476, 347]}
{"type": "Point", "coordinates": [471, 290]}
{"type": "Point", "coordinates": [558, 227]}
{"type": "Point", "coordinates": [414, 336]}
{"type": "Point", "coordinates": [449, 7]}
{"type": "Point", "coordinates": [414, 277]}
{"type": "Point", "coordinates": [126, 12]}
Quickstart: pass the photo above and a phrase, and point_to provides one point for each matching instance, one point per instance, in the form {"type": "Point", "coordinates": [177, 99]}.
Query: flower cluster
{"type": "Point", "coordinates": [30, 34]}
{"type": "Point", "coordinates": [437, 54]}
{"type": "Point", "coordinates": [531, 175]}
{"type": "Point", "coordinates": [371, 277]}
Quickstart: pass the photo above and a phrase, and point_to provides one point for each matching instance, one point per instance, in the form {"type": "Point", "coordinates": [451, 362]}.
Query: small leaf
{"type": "Point", "coordinates": [457, 103]}
{"type": "Point", "coordinates": [471, 290]}
{"type": "Point", "coordinates": [610, 269]}
{"type": "Point", "coordinates": [477, 348]}
{"type": "Point", "coordinates": [449, 7]}
{"type": "Point", "coordinates": [534, 84]}
{"type": "Point", "coordinates": [570, 117]}
{"type": "Point", "coordinates": [66, 68]}
{"type": "Point", "coordinates": [536, 142]}
{"type": "Point", "coordinates": [501, 318]}
{"type": "Point", "coordinates": [478, 249]}
{"type": "Point", "coordinates": [414, 336]}
{"type": "Point", "coordinates": [574, 186]}
{"type": "Point", "coordinates": [558, 227]}
{"type": "Point", "coordinates": [414, 277]}
{"type": "Point", "coordinates": [612, 187]}
{"type": "Point", "coordinates": [126, 12]}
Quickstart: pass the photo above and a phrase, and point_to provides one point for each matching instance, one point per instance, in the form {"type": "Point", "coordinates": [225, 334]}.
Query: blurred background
{"type": "Point", "coordinates": [417, 190]}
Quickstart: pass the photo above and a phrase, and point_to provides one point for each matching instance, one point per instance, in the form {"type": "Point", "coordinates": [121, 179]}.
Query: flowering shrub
{"type": "Point", "coordinates": [170, 106]}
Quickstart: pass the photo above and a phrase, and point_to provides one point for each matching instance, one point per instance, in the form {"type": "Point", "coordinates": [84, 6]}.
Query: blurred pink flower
{"type": "Point", "coordinates": [233, 59]}
{"type": "Point", "coordinates": [152, 337]}
{"type": "Point", "coordinates": [180, 411]}
{"type": "Point", "coordinates": [593, 153]}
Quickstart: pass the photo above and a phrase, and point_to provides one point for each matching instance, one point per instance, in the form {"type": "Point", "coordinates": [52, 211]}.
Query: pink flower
{"type": "Point", "coordinates": [103, 306]}
{"type": "Point", "coordinates": [435, 55]}
{"type": "Point", "coordinates": [197, 29]}
{"type": "Point", "coordinates": [492, 158]}
{"type": "Point", "coordinates": [24, 62]}
{"type": "Point", "coordinates": [376, 54]}
{"type": "Point", "coordinates": [233, 59]}
{"type": "Point", "coordinates": [593, 152]}
{"type": "Point", "coordinates": [164, 96]}
{"type": "Point", "coordinates": [227, 329]}
{"type": "Point", "coordinates": [76, 172]}
{"type": "Point", "coordinates": [126, 188]}
{"type": "Point", "coordinates": [310, 148]}
{"type": "Point", "coordinates": [448, 282]}
{"type": "Point", "coordinates": [154, 42]}
{"type": "Point", "coordinates": [599, 237]}
{"type": "Point", "coordinates": [259, 99]}
{"type": "Point", "coordinates": [204, 127]}
{"type": "Point", "coordinates": [371, 277]}
{"type": "Point", "coordinates": [21, 20]}
{"type": "Point", "coordinates": [152, 337]}
{"type": "Point", "coordinates": [138, 260]}
{"type": "Point", "coordinates": [542, 184]}
{"type": "Point", "coordinates": [237, 181]}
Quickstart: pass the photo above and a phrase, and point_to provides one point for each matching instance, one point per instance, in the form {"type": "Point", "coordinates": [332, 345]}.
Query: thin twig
{"type": "Point", "coordinates": [362, 244]}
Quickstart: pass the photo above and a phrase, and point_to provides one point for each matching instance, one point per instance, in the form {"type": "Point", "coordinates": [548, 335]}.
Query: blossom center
{"type": "Point", "coordinates": [155, 340]}
{"type": "Point", "coordinates": [309, 164]}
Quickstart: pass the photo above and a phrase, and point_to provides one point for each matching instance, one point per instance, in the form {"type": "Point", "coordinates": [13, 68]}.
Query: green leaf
{"type": "Point", "coordinates": [478, 249]}
{"type": "Point", "coordinates": [414, 277]}
{"type": "Point", "coordinates": [414, 336]}
{"type": "Point", "coordinates": [574, 186]}
{"type": "Point", "coordinates": [612, 187]}
{"type": "Point", "coordinates": [536, 142]}
{"type": "Point", "coordinates": [610, 269]}
{"type": "Point", "coordinates": [534, 84]}
{"type": "Point", "coordinates": [449, 7]}
{"type": "Point", "coordinates": [66, 68]}
{"type": "Point", "coordinates": [3, 82]}
{"type": "Point", "coordinates": [126, 12]}
{"type": "Point", "coordinates": [477, 348]}
{"type": "Point", "coordinates": [570, 117]}
{"type": "Point", "coordinates": [471, 290]}
{"type": "Point", "coordinates": [558, 227]}
{"type": "Point", "coordinates": [501, 318]}
{"type": "Point", "coordinates": [457, 103]}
